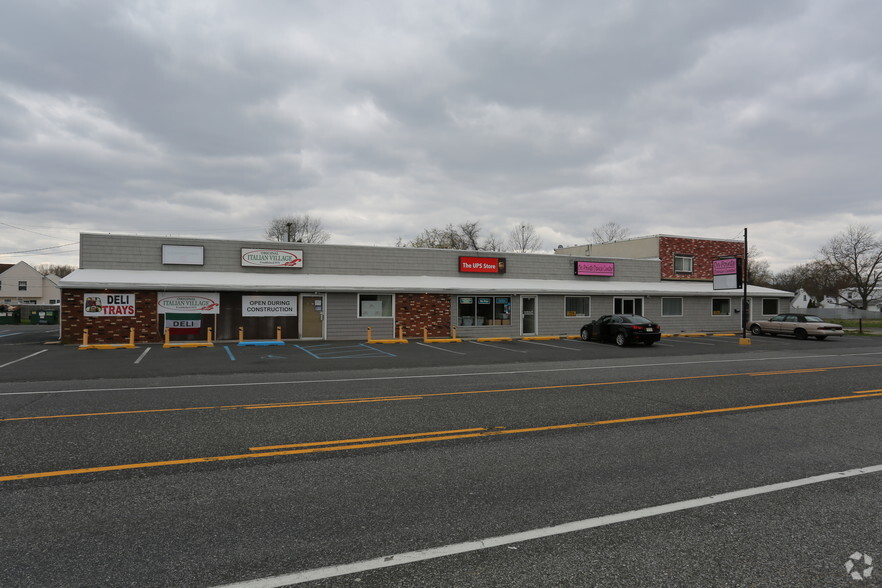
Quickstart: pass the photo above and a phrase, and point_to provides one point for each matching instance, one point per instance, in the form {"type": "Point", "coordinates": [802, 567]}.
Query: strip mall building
{"type": "Point", "coordinates": [335, 292]}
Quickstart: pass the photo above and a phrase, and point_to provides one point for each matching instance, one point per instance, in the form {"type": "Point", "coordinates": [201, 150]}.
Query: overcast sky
{"type": "Point", "coordinates": [383, 118]}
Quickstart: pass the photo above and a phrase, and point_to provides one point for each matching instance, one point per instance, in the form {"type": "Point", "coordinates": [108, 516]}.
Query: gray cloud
{"type": "Point", "coordinates": [384, 118]}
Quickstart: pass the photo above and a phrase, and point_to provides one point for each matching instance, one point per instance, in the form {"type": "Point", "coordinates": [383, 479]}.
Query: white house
{"type": "Point", "coordinates": [802, 299]}
{"type": "Point", "coordinates": [21, 284]}
{"type": "Point", "coordinates": [849, 298]}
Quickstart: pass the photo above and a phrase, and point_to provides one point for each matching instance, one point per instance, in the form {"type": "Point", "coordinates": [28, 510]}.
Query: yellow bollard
{"type": "Point", "coordinates": [85, 337]}
{"type": "Point", "coordinates": [401, 332]}
{"type": "Point", "coordinates": [453, 331]}
{"type": "Point", "coordinates": [241, 334]}
{"type": "Point", "coordinates": [209, 335]}
{"type": "Point", "coordinates": [167, 337]}
{"type": "Point", "coordinates": [132, 336]}
{"type": "Point", "coordinates": [278, 333]}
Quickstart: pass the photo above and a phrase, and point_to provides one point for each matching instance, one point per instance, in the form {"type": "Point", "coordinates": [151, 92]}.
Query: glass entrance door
{"type": "Point", "coordinates": [528, 315]}
{"type": "Point", "coordinates": [312, 317]}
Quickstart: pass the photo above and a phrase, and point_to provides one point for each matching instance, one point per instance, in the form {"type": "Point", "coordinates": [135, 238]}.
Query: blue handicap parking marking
{"type": "Point", "coordinates": [331, 351]}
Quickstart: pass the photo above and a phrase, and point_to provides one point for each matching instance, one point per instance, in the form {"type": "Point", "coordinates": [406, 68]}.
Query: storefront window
{"type": "Point", "coordinates": [770, 306]}
{"type": "Point", "coordinates": [672, 307]}
{"type": "Point", "coordinates": [484, 310]}
{"type": "Point", "coordinates": [578, 306]}
{"type": "Point", "coordinates": [721, 306]}
{"type": "Point", "coordinates": [374, 305]}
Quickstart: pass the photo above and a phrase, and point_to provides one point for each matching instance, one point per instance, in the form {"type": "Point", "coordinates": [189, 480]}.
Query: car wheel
{"type": "Point", "coordinates": [756, 329]}
{"type": "Point", "coordinates": [586, 335]}
{"type": "Point", "coordinates": [800, 334]}
{"type": "Point", "coordinates": [621, 339]}
{"type": "Point", "coordinates": [820, 337]}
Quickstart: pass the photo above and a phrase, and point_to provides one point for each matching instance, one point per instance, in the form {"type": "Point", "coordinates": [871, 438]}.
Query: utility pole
{"type": "Point", "coordinates": [745, 277]}
{"type": "Point", "coordinates": [289, 231]}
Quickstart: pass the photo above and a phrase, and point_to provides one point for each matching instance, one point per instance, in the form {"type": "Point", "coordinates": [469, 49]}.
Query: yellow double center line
{"type": "Point", "coordinates": [412, 438]}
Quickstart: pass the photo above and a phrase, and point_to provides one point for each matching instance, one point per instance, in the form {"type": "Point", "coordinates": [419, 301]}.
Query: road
{"type": "Point", "coordinates": [698, 463]}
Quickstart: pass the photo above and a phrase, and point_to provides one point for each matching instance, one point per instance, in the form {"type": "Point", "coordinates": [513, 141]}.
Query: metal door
{"type": "Point", "coordinates": [312, 317]}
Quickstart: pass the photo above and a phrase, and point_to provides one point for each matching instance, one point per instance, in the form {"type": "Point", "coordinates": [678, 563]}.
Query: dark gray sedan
{"type": "Point", "coordinates": [622, 329]}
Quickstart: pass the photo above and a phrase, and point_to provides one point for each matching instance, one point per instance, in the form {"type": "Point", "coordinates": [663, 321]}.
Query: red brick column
{"type": "Point", "coordinates": [109, 329]}
{"type": "Point", "coordinates": [416, 311]}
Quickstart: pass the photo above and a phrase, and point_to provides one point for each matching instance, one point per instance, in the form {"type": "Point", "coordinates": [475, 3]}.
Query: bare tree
{"type": "Point", "coordinates": [464, 236]}
{"type": "Point", "coordinates": [524, 239]}
{"type": "Point", "coordinates": [55, 269]}
{"type": "Point", "coordinates": [297, 228]}
{"type": "Point", "coordinates": [608, 232]}
{"type": "Point", "coordinates": [759, 273]}
{"type": "Point", "coordinates": [857, 254]}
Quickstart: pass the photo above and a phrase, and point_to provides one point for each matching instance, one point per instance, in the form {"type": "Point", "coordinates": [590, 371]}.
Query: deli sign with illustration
{"type": "Point", "coordinates": [109, 305]}
{"type": "Point", "coordinates": [484, 265]}
{"type": "Point", "coordinates": [272, 258]}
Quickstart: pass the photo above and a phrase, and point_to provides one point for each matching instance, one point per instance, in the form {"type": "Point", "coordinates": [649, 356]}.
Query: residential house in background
{"type": "Point", "coordinates": [21, 284]}
{"type": "Point", "coordinates": [802, 300]}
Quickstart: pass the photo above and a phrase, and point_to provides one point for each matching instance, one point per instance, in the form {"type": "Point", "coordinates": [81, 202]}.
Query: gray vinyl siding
{"type": "Point", "coordinates": [145, 253]}
{"type": "Point", "coordinates": [343, 322]}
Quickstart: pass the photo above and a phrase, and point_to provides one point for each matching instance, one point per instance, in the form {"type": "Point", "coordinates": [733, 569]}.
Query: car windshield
{"type": "Point", "coordinates": [813, 319]}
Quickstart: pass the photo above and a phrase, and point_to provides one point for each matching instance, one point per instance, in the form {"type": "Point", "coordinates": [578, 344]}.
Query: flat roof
{"type": "Point", "coordinates": [100, 279]}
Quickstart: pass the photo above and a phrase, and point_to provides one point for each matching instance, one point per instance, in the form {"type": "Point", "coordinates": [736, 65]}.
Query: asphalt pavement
{"type": "Point", "coordinates": [700, 462]}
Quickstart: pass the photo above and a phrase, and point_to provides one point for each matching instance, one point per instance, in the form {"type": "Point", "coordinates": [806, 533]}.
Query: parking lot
{"type": "Point", "coordinates": [28, 352]}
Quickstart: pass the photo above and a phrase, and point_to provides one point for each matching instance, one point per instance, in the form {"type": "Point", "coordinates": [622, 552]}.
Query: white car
{"type": "Point", "coordinates": [801, 326]}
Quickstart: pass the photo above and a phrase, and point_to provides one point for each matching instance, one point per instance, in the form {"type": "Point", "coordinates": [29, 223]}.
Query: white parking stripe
{"type": "Point", "coordinates": [550, 345]}
{"type": "Point", "coordinates": [140, 357]}
{"type": "Point", "coordinates": [23, 358]}
{"type": "Point", "coordinates": [575, 526]}
{"type": "Point", "coordinates": [495, 347]}
{"type": "Point", "coordinates": [440, 348]}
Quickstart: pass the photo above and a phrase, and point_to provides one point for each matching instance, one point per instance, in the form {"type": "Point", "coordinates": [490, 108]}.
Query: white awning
{"type": "Point", "coordinates": [193, 281]}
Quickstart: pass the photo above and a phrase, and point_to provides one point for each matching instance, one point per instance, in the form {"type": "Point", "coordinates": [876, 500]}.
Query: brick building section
{"type": "Point", "coordinates": [702, 251]}
{"type": "Point", "coordinates": [415, 311]}
{"type": "Point", "coordinates": [109, 329]}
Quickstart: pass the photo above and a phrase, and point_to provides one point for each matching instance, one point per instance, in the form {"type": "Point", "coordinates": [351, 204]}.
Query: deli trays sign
{"type": "Point", "coordinates": [109, 305]}
{"type": "Point", "coordinates": [272, 258]}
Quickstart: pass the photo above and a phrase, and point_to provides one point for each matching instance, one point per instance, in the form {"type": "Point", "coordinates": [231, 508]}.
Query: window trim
{"type": "Point", "coordinates": [22, 285]}
{"type": "Point", "coordinates": [662, 310]}
{"type": "Point", "coordinates": [728, 300]}
{"type": "Point", "coordinates": [381, 317]}
{"type": "Point", "coordinates": [763, 306]}
{"type": "Point", "coordinates": [621, 301]}
{"type": "Point", "coordinates": [684, 256]}
{"type": "Point", "coordinates": [566, 315]}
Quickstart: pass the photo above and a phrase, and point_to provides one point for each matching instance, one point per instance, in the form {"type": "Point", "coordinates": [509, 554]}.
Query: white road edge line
{"type": "Point", "coordinates": [23, 358]}
{"type": "Point", "coordinates": [433, 376]}
{"type": "Point", "coordinates": [575, 526]}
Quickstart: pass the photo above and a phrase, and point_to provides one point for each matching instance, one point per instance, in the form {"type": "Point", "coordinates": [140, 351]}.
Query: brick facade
{"type": "Point", "coordinates": [109, 329]}
{"type": "Point", "coordinates": [415, 311]}
{"type": "Point", "coordinates": [702, 251]}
